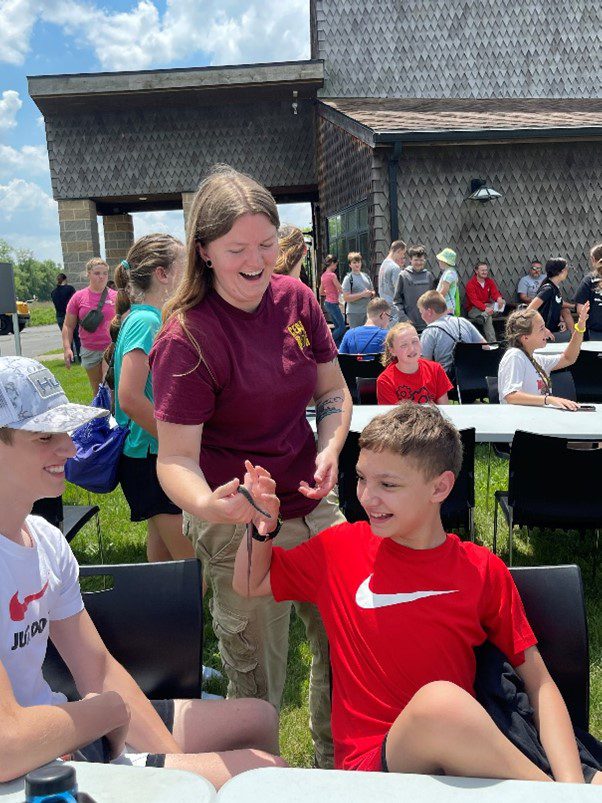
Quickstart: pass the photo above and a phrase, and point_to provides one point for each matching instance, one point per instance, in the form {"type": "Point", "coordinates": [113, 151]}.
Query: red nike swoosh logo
{"type": "Point", "coordinates": [18, 609]}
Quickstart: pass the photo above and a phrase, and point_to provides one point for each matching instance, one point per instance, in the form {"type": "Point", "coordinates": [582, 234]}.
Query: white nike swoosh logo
{"type": "Point", "coordinates": [368, 599]}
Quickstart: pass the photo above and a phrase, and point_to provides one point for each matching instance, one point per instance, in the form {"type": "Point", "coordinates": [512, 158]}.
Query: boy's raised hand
{"type": "Point", "coordinates": [262, 487]}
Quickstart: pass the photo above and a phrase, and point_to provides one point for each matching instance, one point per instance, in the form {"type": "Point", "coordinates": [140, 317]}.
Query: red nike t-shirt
{"type": "Point", "coordinates": [397, 619]}
{"type": "Point", "coordinates": [251, 391]}
{"type": "Point", "coordinates": [424, 386]}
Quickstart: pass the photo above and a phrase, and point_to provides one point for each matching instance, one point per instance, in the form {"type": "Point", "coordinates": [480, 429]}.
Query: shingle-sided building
{"type": "Point", "coordinates": [402, 104]}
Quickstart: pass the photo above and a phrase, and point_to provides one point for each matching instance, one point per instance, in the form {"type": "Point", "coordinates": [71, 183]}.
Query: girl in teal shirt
{"type": "Point", "coordinates": [145, 280]}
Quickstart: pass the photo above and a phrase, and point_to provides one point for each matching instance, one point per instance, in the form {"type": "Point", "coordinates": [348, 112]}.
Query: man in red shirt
{"type": "Point", "coordinates": [481, 295]}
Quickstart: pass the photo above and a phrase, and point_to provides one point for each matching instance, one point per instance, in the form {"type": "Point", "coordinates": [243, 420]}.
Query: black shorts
{"type": "Point", "coordinates": [141, 488]}
{"type": "Point", "coordinates": [98, 752]}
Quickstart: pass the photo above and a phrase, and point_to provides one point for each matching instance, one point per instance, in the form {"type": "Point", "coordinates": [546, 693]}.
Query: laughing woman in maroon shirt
{"type": "Point", "coordinates": [240, 356]}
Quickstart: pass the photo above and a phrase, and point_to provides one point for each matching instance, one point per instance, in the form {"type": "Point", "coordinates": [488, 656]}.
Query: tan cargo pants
{"type": "Point", "coordinates": [253, 633]}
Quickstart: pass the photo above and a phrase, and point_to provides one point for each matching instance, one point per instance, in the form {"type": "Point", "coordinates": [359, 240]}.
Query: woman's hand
{"type": "Point", "coordinates": [583, 315]}
{"type": "Point", "coordinates": [68, 357]}
{"type": "Point", "coordinates": [325, 476]}
{"type": "Point", "coordinates": [564, 404]}
{"type": "Point", "coordinates": [225, 505]}
{"type": "Point", "coordinates": [262, 488]}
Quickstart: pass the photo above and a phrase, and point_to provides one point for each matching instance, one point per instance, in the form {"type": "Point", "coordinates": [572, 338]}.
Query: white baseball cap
{"type": "Point", "coordinates": [32, 399]}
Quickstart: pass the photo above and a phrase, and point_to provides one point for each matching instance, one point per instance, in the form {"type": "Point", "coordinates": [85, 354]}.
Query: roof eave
{"type": "Point", "coordinates": [485, 135]}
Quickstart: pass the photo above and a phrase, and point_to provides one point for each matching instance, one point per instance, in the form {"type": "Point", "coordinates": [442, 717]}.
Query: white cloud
{"type": "Point", "coordinates": [17, 18]}
{"type": "Point", "coordinates": [19, 196]}
{"type": "Point", "coordinates": [28, 159]}
{"type": "Point", "coordinates": [225, 31]}
{"type": "Point", "coordinates": [168, 222]}
{"type": "Point", "coordinates": [10, 103]}
{"type": "Point", "coordinates": [296, 214]}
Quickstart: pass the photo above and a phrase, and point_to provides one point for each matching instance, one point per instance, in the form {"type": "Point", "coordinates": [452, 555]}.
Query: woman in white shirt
{"type": "Point", "coordinates": [524, 378]}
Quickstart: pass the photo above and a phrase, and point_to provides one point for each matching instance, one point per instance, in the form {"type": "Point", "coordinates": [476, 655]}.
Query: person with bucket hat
{"type": "Point", "coordinates": [448, 281]}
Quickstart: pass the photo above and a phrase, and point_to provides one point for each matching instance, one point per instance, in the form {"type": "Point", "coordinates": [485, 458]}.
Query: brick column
{"type": "Point", "coordinates": [78, 226]}
{"type": "Point", "coordinates": [186, 204]}
{"type": "Point", "coordinates": [119, 237]}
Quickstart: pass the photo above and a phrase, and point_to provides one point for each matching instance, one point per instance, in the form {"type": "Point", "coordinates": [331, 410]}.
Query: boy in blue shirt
{"type": "Point", "coordinates": [369, 338]}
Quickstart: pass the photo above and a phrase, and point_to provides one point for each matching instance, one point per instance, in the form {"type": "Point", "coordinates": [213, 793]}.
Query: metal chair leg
{"type": "Point", "coordinates": [488, 478]}
{"type": "Point", "coordinates": [510, 534]}
{"type": "Point", "coordinates": [495, 527]}
{"type": "Point", "coordinates": [471, 523]}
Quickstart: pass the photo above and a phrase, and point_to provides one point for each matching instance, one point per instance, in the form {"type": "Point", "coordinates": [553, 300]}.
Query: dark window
{"type": "Point", "coordinates": [348, 231]}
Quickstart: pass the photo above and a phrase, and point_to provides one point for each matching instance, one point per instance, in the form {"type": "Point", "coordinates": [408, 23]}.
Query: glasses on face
{"type": "Point", "coordinates": [386, 314]}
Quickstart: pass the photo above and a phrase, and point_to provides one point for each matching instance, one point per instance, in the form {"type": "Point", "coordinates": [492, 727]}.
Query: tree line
{"type": "Point", "coordinates": [33, 277]}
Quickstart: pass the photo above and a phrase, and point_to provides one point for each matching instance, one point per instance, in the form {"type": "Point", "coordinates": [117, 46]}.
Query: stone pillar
{"type": "Point", "coordinates": [78, 228]}
{"type": "Point", "coordinates": [186, 204]}
{"type": "Point", "coordinates": [119, 237]}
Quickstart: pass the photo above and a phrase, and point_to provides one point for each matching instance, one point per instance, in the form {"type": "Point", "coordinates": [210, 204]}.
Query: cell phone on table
{"type": "Point", "coordinates": [586, 408]}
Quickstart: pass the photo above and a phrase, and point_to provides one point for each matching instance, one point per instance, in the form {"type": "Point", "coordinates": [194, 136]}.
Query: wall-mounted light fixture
{"type": "Point", "coordinates": [479, 191]}
{"type": "Point", "coordinates": [295, 104]}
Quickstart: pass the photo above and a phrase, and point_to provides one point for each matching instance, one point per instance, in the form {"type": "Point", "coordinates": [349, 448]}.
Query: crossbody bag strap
{"type": "Point", "coordinates": [102, 299]}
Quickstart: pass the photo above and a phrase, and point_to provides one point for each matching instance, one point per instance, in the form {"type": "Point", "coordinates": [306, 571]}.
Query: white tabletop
{"type": "Point", "coordinates": [558, 348]}
{"type": "Point", "coordinates": [497, 423]}
{"type": "Point", "coordinates": [276, 785]}
{"type": "Point", "coordinates": [115, 784]}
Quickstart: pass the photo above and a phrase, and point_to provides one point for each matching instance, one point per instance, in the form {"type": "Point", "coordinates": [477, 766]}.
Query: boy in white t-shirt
{"type": "Point", "coordinates": [523, 377]}
{"type": "Point", "coordinates": [40, 598]}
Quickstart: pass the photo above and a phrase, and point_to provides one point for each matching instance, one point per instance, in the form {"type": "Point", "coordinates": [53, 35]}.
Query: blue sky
{"type": "Point", "coordinates": [41, 37]}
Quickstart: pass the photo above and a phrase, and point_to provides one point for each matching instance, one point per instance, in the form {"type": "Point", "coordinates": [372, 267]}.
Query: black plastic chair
{"type": "Point", "coordinates": [355, 366]}
{"type": "Point", "coordinates": [587, 374]}
{"type": "Point", "coordinates": [529, 500]}
{"type": "Point", "coordinates": [555, 607]}
{"type": "Point", "coordinates": [366, 390]}
{"type": "Point", "coordinates": [563, 384]}
{"type": "Point", "coordinates": [456, 512]}
{"type": "Point", "coordinates": [458, 509]}
{"type": "Point", "coordinates": [474, 362]}
{"type": "Point", "coordinates": [68, 518]}
{"type": "Point", "coordinates": [151, 621]}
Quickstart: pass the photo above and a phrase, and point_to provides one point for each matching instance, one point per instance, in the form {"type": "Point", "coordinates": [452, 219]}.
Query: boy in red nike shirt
{"type": "Point", "coordinates": [404, 605]}
{"type": "Point", "coordinates": [40, 598]}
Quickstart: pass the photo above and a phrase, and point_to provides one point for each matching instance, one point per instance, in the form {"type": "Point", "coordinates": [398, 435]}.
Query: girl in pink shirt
{"type": "Point", "coordinates": [330, 289]}
{"type": "Point", "coordinates": [80, 304]}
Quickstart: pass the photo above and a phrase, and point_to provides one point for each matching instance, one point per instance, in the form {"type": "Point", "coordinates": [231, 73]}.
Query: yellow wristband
{"type": "Point", "coordinates": [581, 331]}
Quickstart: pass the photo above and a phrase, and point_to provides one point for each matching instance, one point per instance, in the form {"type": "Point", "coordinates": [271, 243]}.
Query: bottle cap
{"type": "Point", "coordinates": [50, 780]}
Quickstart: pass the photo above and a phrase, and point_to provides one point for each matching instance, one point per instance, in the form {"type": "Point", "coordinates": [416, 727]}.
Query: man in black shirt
{"type": "Point", "coordinates": [60, 298]}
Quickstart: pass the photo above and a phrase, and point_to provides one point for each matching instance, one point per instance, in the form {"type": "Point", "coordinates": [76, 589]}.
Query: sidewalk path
{"type": "Point", "coordinates": [35, 340]}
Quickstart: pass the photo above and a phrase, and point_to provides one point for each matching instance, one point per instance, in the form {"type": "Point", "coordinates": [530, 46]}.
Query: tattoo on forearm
{"type": "Point", "coordinates": [329, 406]}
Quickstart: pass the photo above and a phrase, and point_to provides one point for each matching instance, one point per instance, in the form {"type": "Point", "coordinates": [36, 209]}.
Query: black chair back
{"type": "Point", "coordinates": [563, 385]}
{"type": "Point", "coordinates": [354, 366]}
{"type": "Point", "coordinates": [474, 362]}
{"type": "Point", "coordinates": [456, 511]}
{"type": "Point", "coordinates": [534, 459]}
{"type": "Point", "coordinates": [151, 621]}
{"type": "Point", "coordinates": [555, 607]}
{"type": "Point", "coordinates": [587, 374]}
{"type": "Point", "coordinates": [493, 392]}
{"type": "Point", "coordinates": [366, 391]}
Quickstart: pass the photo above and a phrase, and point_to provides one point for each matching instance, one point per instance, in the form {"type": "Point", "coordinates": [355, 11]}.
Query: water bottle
{"type": "Point", "coordinates": [55, 783]}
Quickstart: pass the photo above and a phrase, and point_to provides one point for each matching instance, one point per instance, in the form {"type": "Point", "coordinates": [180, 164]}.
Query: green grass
{"type": "Point", "coordinates": [41, 313]}
{"type": "Point", "coordinates": [125, 542]}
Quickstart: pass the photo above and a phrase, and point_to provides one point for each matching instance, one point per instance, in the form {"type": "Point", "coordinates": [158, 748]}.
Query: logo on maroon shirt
{"type": "Point", "coordinates": [297, 330]}
{"type": "Point", "coordinates": [18, 609]}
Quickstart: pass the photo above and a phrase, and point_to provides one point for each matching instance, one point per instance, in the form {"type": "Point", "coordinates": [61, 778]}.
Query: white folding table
{"type": "Point", "coordinates": [497, 423]}
{"type": "Point", "coordinates": [557, 348]}
{"type": "Point", "coordinates": [311, 786]}
{"type": "Point", "coordinates": [107, 783]}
